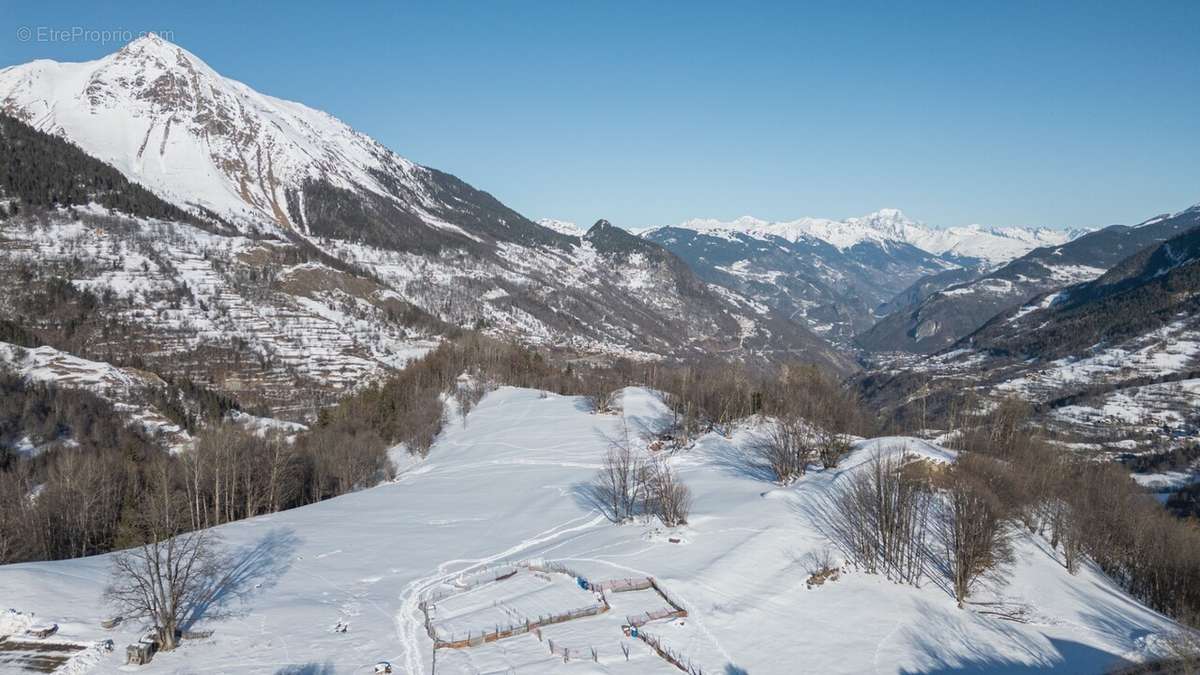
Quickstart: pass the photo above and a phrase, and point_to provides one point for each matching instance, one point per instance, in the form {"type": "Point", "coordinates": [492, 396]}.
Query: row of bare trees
{"type": "Point", "coordinates": [234, 473]}
{"type": "Point", "coordinates": [909, 520]}
{"type": "Point", "coordinates": [630, 484]}
{"type": "Point", "coordinates": [71, 505]}
{"type": "Point", "coordinates": [1089, 511]}
{"type": "Point", "coordinates": [881, 519]}
{"type": "Point", "coordinates": [711, 394]}
{"type": "Point", "coordinates": [75, 502]}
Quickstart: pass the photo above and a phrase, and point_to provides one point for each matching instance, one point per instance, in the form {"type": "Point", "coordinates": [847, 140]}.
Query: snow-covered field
{"type": "Point", "coordinates": [506, 487]}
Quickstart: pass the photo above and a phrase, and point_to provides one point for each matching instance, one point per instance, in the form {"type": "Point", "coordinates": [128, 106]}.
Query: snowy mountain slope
{"type": "Point", "coordinates": [609, 293]}
{"type": "Point", "coordinates": [504, 488]}
{"type": "Point", "coordinates": [1151, 288]}
{"type": "Point", "coordinates": [168, 121]}
{"type": "Point", "coordinates": [1111, 362]}
{"type": "Point", "coordinates": [953, 313]}
{"type": "Point", "coordinates": [562, 227]}
{"type": "Point", "coordinates": [281, 171]}
{"type": "Point", "coordinates": [247, 317]}
{"type": "Point", "coordinates": [131, 392]}
{"type": "Point", "coordinates": [989, 245]}
{"type": "Point", "coordinates": [1122, 350]}
{"type": "Point", "coordinates": [926, 286]}
{"type": "Point", "coordinates": [162, 414]}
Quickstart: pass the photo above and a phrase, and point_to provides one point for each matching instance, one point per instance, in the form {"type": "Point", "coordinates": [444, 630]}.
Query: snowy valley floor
{"type": "Point", "coordinates": [506, 487]}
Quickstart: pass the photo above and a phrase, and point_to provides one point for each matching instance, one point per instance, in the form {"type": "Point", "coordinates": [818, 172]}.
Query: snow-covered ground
{"type": "Point", "coordinates": [506, 487]}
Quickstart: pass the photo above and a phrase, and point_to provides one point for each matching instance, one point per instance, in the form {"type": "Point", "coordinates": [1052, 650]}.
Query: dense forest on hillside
{"type": "Point", "coordinates": [38, 170]}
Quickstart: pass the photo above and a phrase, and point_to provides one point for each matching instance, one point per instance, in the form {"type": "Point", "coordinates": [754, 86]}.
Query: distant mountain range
{"type": "Point", "coordinates": [840, 277]}
{"type": "Point", "coordinates": [973, 244]}
{"type": "Point", "coordinates": [943, 317]}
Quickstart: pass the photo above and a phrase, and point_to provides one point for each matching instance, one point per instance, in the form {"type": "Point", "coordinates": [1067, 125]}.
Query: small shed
{"type": "Point", "coordinates": [139, 654]}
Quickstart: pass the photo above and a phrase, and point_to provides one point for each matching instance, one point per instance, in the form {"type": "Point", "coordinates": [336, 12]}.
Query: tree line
{"type": "Point", "coordinates": [38, 170]}
{"type": "Point", "coordinates": [913, 521]}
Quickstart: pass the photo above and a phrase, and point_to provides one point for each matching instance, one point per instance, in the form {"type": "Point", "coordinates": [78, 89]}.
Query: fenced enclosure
{"type": "Point", "coordinates": [504, 602]}
{"type": "Point", "coordinates": [556, 605]}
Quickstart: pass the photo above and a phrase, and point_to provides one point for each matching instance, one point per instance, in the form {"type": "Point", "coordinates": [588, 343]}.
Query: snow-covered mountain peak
{"type": "Point", "coordinates": [562, 226]}
{"type": "Point", "coordinates": [994, 245]}
{"type": "Point", "coordinates": [886, 221]}
{"type": "Point", "coordinates": [1194, 208]}
{"type": "Point", "coordinates": [164, 118]}
{"type": "Point", "coordinates": [153, 47]}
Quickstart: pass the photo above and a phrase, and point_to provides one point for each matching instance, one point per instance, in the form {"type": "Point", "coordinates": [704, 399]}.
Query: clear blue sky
{"type": "Point", "coordinates": [647, 113]}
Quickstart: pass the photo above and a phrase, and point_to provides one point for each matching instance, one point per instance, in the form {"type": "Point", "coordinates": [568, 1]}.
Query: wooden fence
{"type": "Point", "coordinates": [474, 639]}
{"type": "Point", "coordinates": [624, 585]}
{"type": "Point", "coordinates": [669, 655]}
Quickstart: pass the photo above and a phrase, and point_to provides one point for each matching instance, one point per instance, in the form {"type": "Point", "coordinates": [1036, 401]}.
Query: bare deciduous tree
{"type": "Point", "coordinates": [666, 496]}
{"type": "Point", "coordinates": [467, 392]}
{"type": "Point", "coordinates": [620, 486]}
{"type": "Point", "coordinates": [171, 574]}
{"type": "Point", "coordinates": [973, 527]}
{"type": "Point", "coordinates": [788, 448]}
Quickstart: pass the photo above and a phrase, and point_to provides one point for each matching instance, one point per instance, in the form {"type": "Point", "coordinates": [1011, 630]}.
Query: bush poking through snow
{"type": "Point", "coordinates": [619, 488]}
{"type": "Point", "coordinates": [787, 449]}
{"type": "Point", "coordinates": [666, 496]}
{"type": "Point", "coordinates": [599, 393]}
{"type": "Point", "coordinates": [831, 447]}
{"type": "Point", "coordinates": [629, 485]}
{"type": "Point", "coordinates": [821, 567]}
